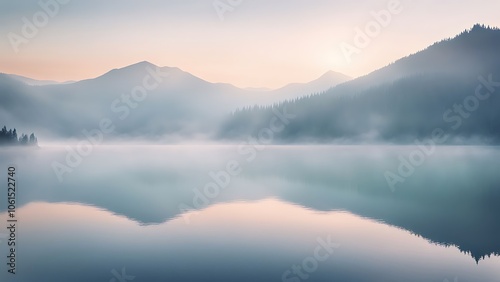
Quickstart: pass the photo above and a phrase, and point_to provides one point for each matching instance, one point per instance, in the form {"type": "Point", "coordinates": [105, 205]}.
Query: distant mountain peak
{"type": "Point", "coordinates": [137, 69]}
{"type": "Point", "coordinates": [140, 65]}
{"type": "Point", "coordinates": [334, 75]}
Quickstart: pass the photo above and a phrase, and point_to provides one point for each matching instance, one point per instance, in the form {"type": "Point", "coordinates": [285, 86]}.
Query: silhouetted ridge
{"type": "Point", "coordinates": [399, 103]}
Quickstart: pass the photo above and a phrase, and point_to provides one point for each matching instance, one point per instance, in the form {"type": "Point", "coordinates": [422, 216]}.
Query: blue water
{"type": "Point", "coordinates": [274, 213]}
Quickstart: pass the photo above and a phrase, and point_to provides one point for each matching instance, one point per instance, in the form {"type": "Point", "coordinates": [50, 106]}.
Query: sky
{"type": "Point", "coordinates": [248, 43]}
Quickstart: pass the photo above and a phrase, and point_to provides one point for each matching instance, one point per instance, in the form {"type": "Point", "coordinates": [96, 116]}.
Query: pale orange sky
{"type": "Point", "coordinates": [257, 44]}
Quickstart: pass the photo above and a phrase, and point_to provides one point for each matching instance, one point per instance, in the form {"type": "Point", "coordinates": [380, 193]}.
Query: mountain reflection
{"type": "Point", "coordinates": [450, 200]}
{"type": "Point", "coordinates": [232, 240]}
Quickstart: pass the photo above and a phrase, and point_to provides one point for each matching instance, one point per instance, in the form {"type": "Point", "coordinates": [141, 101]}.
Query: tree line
{"type": "Point", "coordinates": [9, 137]}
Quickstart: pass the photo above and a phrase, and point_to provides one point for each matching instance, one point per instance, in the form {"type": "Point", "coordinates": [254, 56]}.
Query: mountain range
{"type": "Point", "coordinates": [179, 105]}
{"type": "Point", "coordinates": [408, 100]}
{"type": "Point", "coordinates": [449, 88]}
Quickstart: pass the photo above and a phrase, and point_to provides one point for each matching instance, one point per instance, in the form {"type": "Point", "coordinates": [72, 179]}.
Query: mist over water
{"type": "Point", "coordinates": [125, 206]}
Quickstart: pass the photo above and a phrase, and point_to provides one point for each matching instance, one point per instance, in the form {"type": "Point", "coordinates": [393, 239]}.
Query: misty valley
{"type": "Point", "coordinates": [154, 174]}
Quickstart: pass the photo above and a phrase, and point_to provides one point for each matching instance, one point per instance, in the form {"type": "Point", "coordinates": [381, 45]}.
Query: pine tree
{"type": "Point", "coordinates": [14, 136]}
{"type": "Point", "coordinates": [23, 140]}
{"type": "Point", "coordinates": [3, 135]}
{"type": "Point", "coordinates": [33, 140]}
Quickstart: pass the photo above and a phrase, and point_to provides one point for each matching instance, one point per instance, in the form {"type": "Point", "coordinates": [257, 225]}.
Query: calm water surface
{"type": "Point", "coordinates": [287, 213]}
